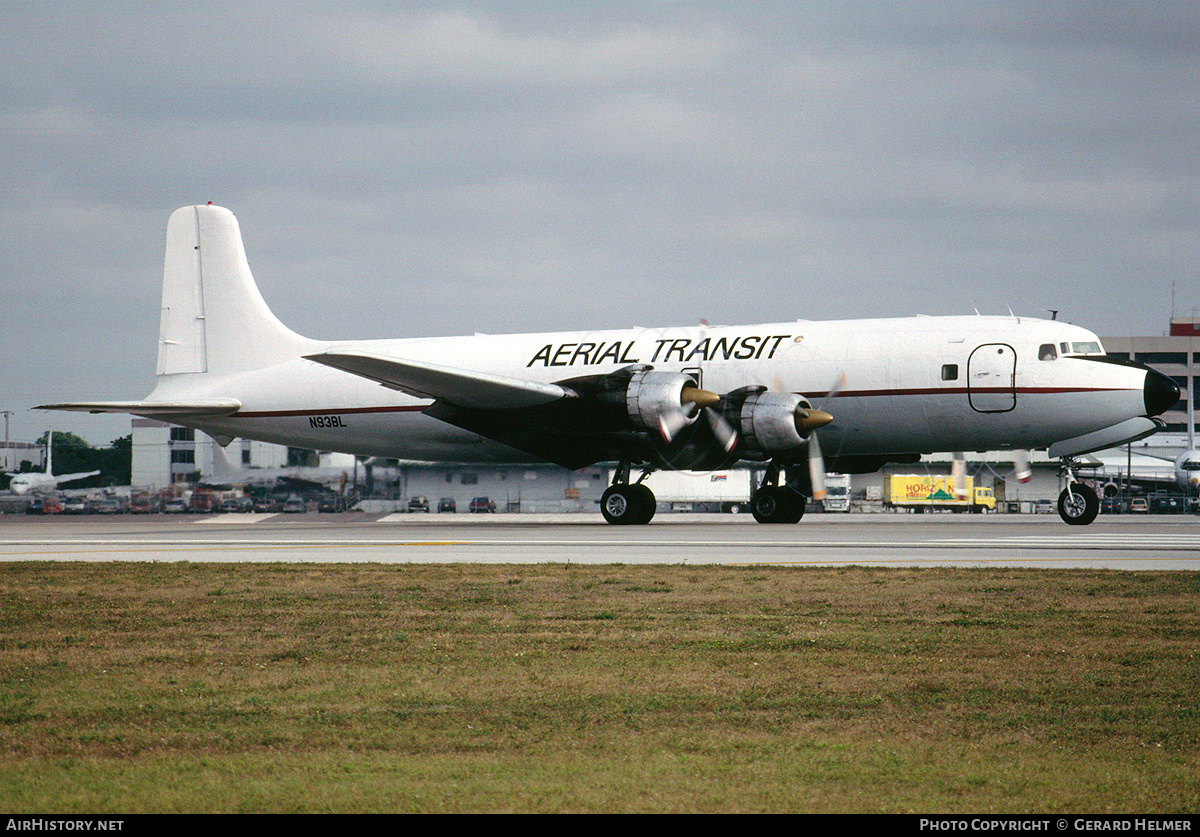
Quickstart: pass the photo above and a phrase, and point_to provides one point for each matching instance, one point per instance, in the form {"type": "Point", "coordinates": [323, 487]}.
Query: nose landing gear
{"type": "Point", "coordinates": [1078, 504]}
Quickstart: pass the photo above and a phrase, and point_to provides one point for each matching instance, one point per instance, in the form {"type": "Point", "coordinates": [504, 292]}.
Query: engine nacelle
{"type": "Point", "coordinates": [769, 421]}
{"type": "Point", "coordinates": [654, 400]}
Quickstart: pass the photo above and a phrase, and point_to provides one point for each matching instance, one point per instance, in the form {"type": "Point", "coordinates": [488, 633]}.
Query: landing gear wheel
{"type": "Point", "coordinates": [798, 503]}
{"type": "Point", "coordinates": [627, 504]}
{"type": "Point", "coordinates": [645, 502]}
{"type": "Point", "coordinates": [1078, 505]}
{"type": "Point", "coordinates": [772, 504]}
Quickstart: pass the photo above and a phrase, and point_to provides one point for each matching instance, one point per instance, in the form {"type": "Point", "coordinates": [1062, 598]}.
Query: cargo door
{"type": "Point", "coordinates": [991, 378]}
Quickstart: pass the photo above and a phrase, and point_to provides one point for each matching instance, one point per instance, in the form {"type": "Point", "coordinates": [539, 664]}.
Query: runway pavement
{"type": "Point", "coordinates": [1170, 542]}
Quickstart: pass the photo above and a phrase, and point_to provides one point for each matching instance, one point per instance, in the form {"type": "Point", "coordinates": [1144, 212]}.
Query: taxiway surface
{"type": "Point", "coordinates": [1119, 542]}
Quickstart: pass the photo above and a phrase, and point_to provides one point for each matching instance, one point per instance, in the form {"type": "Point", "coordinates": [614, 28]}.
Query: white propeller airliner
{"type": "Point", "coordinates": [694, 398]}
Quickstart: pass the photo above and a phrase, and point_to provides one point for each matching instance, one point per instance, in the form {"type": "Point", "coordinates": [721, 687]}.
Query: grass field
{"type": "Point", "coordinates": [132, 688]}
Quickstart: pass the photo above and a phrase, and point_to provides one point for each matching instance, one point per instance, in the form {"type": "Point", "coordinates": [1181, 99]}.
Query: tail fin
{"type": "Point", "coordinates": [213, 317]}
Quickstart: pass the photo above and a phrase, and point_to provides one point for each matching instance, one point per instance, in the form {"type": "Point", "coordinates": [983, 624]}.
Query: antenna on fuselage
{"type": "Point", "coordinates": [1053, 313]}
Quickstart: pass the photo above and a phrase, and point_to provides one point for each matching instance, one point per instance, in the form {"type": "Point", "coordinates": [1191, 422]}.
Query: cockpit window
{"type": "Point", "coordinates": [1046, 352]}
{"type": "Point", "coordinates": [1083, 347]}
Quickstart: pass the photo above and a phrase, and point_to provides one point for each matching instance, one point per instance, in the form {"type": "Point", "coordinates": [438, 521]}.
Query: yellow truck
{"type": "Point", "coordinates": [926, 493]}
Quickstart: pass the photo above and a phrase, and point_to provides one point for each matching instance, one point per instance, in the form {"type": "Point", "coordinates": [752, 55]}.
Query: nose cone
{"type": "Point", "coordinates": [1161, 393]}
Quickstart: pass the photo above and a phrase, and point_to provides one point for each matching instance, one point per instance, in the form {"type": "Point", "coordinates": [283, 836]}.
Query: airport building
{"type": "Point", "coordinates": [165, 455]}
{"type": "Point", "coordinates": [13, 454]}
{"type": "Point", "coordinates": [1175, 354]}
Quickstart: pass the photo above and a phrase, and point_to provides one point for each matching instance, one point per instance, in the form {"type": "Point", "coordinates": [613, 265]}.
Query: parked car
{"type": "Point", "coordinates": [332, 503]}
{"type": "Point", "coordinates": [174, 505]}
{"type": "Point", "coordinates": [482, 505]}
{"type": "Point", "coordinates": [36, 505]}
{"type": "Point", "coordinates": [1110, 505]}
{"type": "Point", "coordinates": [237, 505]}
{"type": "Point", "coordinates": [1138, 505]}
{"type": "Point", "coordinates": [295, 505]}
{"type": "Point", "coordinates": [144, 505]}
{"type": "Point", "coordinates": [109, 506]}
{"type": "Point", "coordinates": [447, 504]}
{"type": "Point", "coordinates": [418, 504]}
{"type": "Point", "coordinates": [203, 502]}
{"type": "Point", "coordinates": [268, 505]}
{"type": "Point", "coordinates": [76, 505]}
{"type": "Point", "coordinates": [1044, 507]}
{"type": "Point", "coordinates": [1168, 505]}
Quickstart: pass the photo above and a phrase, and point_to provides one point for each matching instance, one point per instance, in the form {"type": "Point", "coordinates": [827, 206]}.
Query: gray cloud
{"type": "Point", "coordinates": [475, 166]}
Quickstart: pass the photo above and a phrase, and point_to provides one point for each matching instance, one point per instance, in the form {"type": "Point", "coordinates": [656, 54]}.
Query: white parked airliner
{"type": "Point", "coordinates": [47, 480]}
{"type": "Point", "coordinates": [694, 398]}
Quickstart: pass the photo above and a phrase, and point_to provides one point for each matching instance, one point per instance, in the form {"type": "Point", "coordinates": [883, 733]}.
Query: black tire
{"type": "Point", "coordinates": [797, 504]}
{"type": "Point", "coordinates": [1078, 505]}
{"type": "Point", "coordinates": [625, 505]}
{"type": "Point", "coordinates": [772, 504]}
{"type": "Point", "coordinates": [645, 503]}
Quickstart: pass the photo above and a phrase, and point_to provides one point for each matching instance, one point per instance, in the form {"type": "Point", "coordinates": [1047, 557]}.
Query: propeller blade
{"type": "Point", "coordinates": [669, 424]}
{"type": "Point", "coordinates": [816, 467]}
{"type": "Point", "coordinates": [837, 386]}
{"type": "Point", "coordinates": [724, 432]}
{"type": "Point", "coordinates": [958, 470]}
{"type": "Point", "coordinates": [1021, 466]}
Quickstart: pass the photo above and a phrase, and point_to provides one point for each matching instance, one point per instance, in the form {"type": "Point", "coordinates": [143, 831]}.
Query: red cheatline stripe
{"type": "Point", "coordinates": [861, 393]}
{"type": "Point", "coordinates": [867, 393]}
{"type": "Point", "coordinates": [326, 411]}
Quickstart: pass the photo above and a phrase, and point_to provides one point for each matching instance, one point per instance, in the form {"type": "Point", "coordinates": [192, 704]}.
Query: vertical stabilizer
{"type": "Point", "coordinates": [214, 319]}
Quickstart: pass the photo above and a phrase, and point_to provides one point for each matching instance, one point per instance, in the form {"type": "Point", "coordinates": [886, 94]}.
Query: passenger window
{"type": "Point", "coordinates": [950, 372]}
{"type": "Point", "coordinates": [1046, 352]}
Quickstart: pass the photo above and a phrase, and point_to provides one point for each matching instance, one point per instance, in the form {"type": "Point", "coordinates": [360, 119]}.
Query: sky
{"type": "Point", "coordinates": [433, 168]}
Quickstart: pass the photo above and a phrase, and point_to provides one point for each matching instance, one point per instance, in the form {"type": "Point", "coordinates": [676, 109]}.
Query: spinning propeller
{"type": "Point", "coordinates": [806, 419]}
{"type": "Point", "coordinates": [809, 424]}
{"type": "Point", "coordinates": [690, 400]}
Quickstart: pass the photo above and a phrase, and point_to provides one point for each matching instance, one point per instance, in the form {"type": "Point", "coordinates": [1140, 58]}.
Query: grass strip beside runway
{"type": "Point", "coordinates": [472, 687]}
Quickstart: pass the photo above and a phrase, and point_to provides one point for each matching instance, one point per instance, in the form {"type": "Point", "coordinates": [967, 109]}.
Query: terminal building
{"type": "Point", "coordinates": [1175, 354]}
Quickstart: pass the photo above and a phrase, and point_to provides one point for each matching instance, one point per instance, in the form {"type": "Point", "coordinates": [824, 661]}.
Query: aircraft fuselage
{"type": "Point", "coordinates": [911, 385]}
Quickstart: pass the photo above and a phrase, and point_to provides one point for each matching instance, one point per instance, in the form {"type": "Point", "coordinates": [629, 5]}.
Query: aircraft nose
{"type": "Point", "coordinates": [1161, 393]}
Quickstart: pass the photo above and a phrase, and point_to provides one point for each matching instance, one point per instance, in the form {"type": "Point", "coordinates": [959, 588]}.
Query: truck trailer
{"type": "Point", "coordinates": [922, 493]}
{"type": "Point", "coordinates": [702, 491]}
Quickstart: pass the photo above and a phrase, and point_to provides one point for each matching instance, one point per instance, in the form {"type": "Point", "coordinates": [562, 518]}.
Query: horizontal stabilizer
{"type": "Point", "coordinates": [210, 407]}
{"type": "Point", "coordinates": [474, 390]}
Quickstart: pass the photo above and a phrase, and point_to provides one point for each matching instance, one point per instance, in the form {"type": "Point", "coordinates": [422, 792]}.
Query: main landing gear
{"type": "Point", "coordinates": [775, 503]}
{"type": "Point", "coordinates": [1078, 504]}
{"type": "Point", "coordinates": [626, 504]}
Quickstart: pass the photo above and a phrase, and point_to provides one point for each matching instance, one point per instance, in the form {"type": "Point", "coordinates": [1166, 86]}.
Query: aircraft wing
{"type": "Point", "coordinates": [472, 390]}
{"type": "Point", "coordinates": [73, 477]}
{"type": "Point", "coordinates": [210, 407]}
